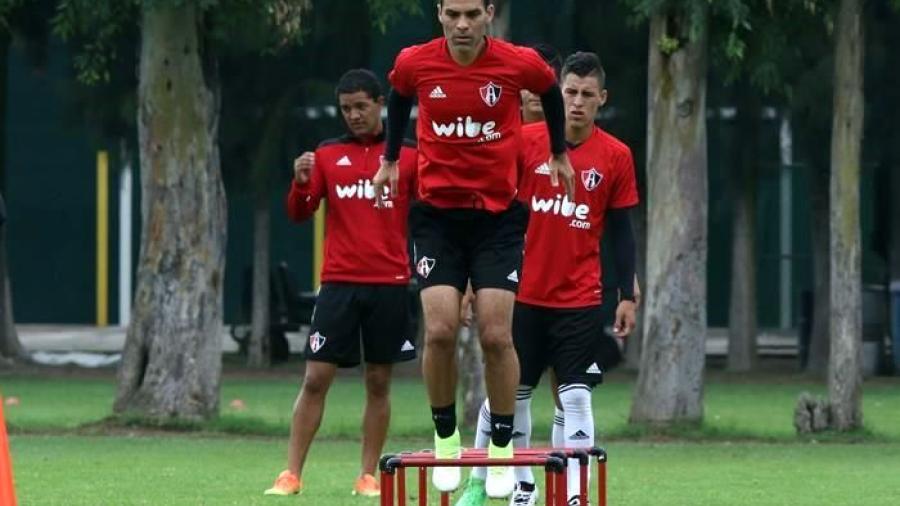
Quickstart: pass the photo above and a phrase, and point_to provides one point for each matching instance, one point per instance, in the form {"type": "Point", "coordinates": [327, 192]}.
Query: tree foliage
{"type": "Point", "coordinates": [264, 25]}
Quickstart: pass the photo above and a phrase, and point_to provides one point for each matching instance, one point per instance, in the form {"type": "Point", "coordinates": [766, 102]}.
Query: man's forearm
{"type": "Point", "coordinates": [621, 233]}
{"type": "Point", "coordinates": [398, 110]}
{"type": "Point", "coordinates": [555, 116]}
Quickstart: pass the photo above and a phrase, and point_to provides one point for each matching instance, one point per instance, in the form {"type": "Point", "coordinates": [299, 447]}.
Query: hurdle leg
{"type": "Point", "coordinates": [549, 490]}
{"type": "Point", "coordinates": [423, 486]}
{"type": "Point", "coordinates": [601, 482]}
{"type": "Point", "coordinates": [387, 488]}
{"type": "Point", "coordinates": [584, 464]}
{"type": "Point", "coordinates": [401, 487]}
{"type": "Point", "coordinates": [445, 498]}
{"type": "Point", "coordinates": [561, 489]}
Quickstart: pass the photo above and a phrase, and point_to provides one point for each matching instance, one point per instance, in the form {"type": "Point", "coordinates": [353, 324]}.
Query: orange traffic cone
{"type": "Point", "coordinates": [7, 490]}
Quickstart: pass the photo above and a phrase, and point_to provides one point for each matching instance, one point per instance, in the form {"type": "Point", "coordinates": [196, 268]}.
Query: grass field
{"type": "Point", "coordinates": [745, 453]}
{"type": "Point", "coordinates": [761, 409]}
{"type": "Point", "coordinates": [176, 470]}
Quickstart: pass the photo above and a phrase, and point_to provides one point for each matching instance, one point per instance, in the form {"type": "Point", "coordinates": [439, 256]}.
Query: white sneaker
{"type": "Point", "coordinates": [501, 480]}
{"type": "Point", "coordinates": [446, 479]}
{"type": "Point", "coordinates": [522, 497]}
{"type": "Point", "coordinates": [576, 501]}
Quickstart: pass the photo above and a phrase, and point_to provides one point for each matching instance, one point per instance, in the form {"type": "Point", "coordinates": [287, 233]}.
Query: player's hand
{"type": "Point", "coordinates": [388, 175]}
{"type": "Point", "coordinates": [303, 166]}
{"type": "Point", "coordinates": [625, 319]}
{"type": "Point", "coordinates": [561, 168]}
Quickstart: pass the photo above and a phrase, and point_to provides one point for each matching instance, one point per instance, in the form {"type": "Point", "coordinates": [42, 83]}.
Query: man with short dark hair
{"type": "Point", "coordinates": [363, 300]}
{"type": "Point", "coordinates": [467, 224]}
{"type": "Point", "coordinates": [557, 320]}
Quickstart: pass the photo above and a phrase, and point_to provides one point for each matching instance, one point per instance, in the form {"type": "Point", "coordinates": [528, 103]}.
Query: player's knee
{"type": "Point", "coordinates": [315, 385]}
{"type": "Point", "coordinates": [378, 386]}
{"type": "Point", "coordinates": [575, 398]}
{"type": "Point", "coordinates": [496, 341]}
{"type": "Point", "coordinates": [440, 334]}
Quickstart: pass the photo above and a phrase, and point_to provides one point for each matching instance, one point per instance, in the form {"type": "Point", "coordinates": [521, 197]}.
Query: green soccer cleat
{"type": "Point", "coordinates": [446, 479]}
{"type": "Point", "coordinates": [473, 494]}
{"type": "Point", "coordinates": [500, 480]}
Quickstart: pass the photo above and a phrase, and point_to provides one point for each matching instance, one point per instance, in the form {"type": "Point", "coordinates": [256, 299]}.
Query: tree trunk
{"type": "Point", "coordinates": [742, 311]}
{"type": "Point", "coordinates": [845, 371]}
{"type": "Point", "coordinates": [173, 351]}
{"type": "Point", "coordinates": [258, 353]}
{"type": "Point", "coordinates": [259, 348]}
{"type": "Point", "coordinates": [670, 381]}
{"type": "Point", "coordinates": [10, 347]}
{"type": "Point", "coordinates": [819, 348]}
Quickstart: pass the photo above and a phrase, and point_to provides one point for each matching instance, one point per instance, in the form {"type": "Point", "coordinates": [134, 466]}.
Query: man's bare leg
{"type": "Point", "coordinates": [377, 415]}
{"type": "Point", "coordinates": [494, 308]}
{"type": "Point", "coordinates": [308, 411]}
{"type": "Point", "coordinates": [440, 309]}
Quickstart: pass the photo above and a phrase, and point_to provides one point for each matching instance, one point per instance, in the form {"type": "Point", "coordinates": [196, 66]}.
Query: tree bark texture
{"type": "Point", "coordinates": [670, 382]}
{"type": "Point", "coordinates": [10, 347]}
{"type": "Point", "coordinates": [172, 359]}
{"type": "Point", "coordinates": [258, 353]}
{"type": "Point", "coordinates": [819, 339]}
{"type": "Point", "coordinates": [845, 366]}
{"type": "Point", "coordinates": [742, 323]}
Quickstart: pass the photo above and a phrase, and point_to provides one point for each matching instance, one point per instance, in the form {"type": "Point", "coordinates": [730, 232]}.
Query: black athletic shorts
{"type": "Point", "coordinates": [348, 315]}
{"type": "Point", "coordinates": [452, 246]}
{"type": "Point", "coordinates": [571, 341]}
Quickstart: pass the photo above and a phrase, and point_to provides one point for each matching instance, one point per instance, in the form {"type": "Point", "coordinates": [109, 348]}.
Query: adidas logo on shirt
{"type": "Point", "coordinates": [543, 169]}
{"type": "Point", "coordinates": [437, 92]}
{"type": "Point", "coordinates": [513, 276]}
{"type": "Point", "coordinates": [344, 161]}
{"type": "Point", "coordinates": [594, 369]}
{"type": "Point", "coordinates": [407, 346]}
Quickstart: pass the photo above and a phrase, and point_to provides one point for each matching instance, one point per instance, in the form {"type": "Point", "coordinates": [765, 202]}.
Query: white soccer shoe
{"type": "Point", "coordinates": [523, 497]}
{"type": "Point", "coordinates": [501, 480]}
{"type": "Point", "coordinates": [446, 479]}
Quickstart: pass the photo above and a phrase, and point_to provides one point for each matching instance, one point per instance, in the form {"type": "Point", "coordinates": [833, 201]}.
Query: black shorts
{"type": "Point", "coordinates": [349, 314]}
{"type": "Point", "coordinates": [571, 341]}
{"type": "Point", "coordinates": [452, 246]}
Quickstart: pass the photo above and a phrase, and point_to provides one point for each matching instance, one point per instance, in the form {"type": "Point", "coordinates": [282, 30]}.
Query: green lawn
{"type": "Point", "coordinates": [746, 452]}
{"type": "Point", "coordinates": [83, 470]}
{"type": "Point", "coordinates": [755, 409]}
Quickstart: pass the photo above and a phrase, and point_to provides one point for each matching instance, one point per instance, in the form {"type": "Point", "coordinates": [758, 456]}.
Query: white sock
{"type": "Point", "coordinates": [557, 435]}
{"type": "Point", "coordinates": [522, 425]}
{"type": "Point", "coordinates": [483, 436]}
{"type": "Point", "coordinates": [579, 427]}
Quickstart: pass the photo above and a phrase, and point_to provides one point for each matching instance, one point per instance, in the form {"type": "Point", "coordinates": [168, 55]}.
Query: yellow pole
{"type": "Point", "coordinates": [318, 245]}
{"type": "Point", "coordinates": [102, 238]}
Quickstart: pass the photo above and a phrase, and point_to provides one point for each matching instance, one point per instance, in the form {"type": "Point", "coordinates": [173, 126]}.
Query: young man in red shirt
{"type": "Point", "coordinates": [467, 223]}
{"type": "Point", "coordinates": [557, 320]}
{"type": "Point", "coordinates": [365, 274]}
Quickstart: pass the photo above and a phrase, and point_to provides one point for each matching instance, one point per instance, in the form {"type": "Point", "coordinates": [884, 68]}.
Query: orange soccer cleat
{"type": "Point", "coordinates": [367, 486]}
{"type": "Point", "coordinates": [287, 483]}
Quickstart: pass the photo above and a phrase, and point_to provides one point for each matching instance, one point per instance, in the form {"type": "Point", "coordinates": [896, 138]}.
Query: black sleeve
{"type": "Point", "coordinates": [619, 231]}
{"type": "Point", "coordinates": [398, 110]}
{"type": "Point", "coordinates": [555, 115]}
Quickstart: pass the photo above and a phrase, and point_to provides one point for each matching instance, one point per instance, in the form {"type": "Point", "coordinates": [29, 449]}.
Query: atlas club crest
{"type": "Point", "coordinates": [490, 93]}
{"type": "Point", "coordinates": [591, 179]}
{"type": "Point", "coordinates": [316, 341]}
